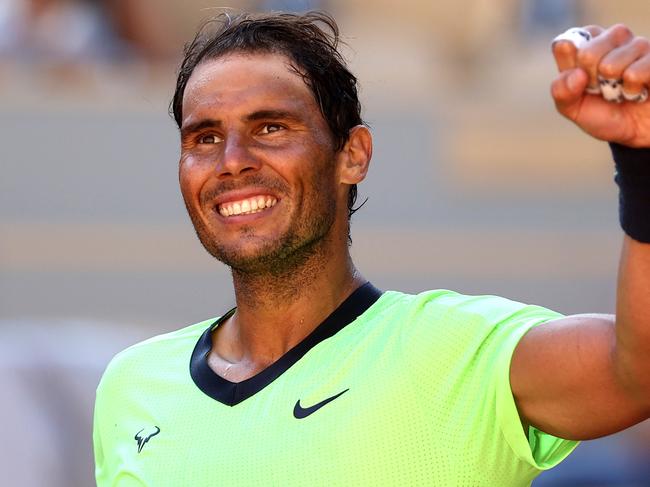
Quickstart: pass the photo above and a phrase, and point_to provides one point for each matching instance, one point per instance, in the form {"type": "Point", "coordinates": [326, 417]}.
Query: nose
{"type": "Point", "coordinates": [236, 158]}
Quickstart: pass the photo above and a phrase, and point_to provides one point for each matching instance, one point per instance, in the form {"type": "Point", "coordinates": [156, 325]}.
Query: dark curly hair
{"type": "Point", "coordinates": [310, 41]}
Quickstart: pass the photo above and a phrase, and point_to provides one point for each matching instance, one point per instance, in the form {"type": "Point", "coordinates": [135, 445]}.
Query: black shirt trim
{"type": "Point", "coordinates": [232, 393]}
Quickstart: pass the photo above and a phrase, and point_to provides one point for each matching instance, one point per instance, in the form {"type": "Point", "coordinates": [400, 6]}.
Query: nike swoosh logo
{"type": "Point", "coordinates": [299, 412]}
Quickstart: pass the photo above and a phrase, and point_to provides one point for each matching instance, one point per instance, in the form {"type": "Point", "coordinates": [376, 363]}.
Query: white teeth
{"type": "Point", "coordinates": [247, 206]}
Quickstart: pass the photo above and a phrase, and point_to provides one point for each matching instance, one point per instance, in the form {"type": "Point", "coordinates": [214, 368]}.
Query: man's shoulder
{"type": "Point", "coordinates": [442, 302]}
{"type": "Point", "coordinates": [431, 316]}
{"type": "Point", "coordinates": [176, 338]}
{"type": "Point", "coordinates": [156, 352]}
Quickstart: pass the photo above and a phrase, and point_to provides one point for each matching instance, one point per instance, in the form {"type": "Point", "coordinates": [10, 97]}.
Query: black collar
{"type": "Point", "coordinates": [231, 393]}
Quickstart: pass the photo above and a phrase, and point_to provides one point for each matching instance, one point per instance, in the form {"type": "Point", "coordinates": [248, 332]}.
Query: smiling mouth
{"type": "Point", "coordinates": [246, 206]}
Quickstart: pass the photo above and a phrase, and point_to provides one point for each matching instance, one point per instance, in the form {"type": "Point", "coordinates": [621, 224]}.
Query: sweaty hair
{"type": "Point", "coordinates": [309, 41]}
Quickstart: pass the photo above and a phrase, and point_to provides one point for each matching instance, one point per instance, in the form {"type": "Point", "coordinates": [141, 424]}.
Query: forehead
{"type": "Point", "coordinates": [240, 83]}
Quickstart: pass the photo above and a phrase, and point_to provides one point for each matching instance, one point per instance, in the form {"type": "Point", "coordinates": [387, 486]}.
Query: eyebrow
{"type": "Point", "coordinates": [272, 114]}
{"type": "Point", "coordinates": [209, 123]}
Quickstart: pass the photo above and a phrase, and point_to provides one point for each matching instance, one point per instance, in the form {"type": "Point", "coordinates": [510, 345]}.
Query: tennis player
{"type": "Point", "coordinates": [319, 378]}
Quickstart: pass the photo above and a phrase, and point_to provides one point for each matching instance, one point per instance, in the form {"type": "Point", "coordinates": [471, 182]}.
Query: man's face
{"type": "Point", "coordinates": [257, 170]}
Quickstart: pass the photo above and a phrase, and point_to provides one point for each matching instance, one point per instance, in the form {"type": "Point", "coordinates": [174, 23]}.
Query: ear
{"type": "Point", "coordinates": [354, 158]}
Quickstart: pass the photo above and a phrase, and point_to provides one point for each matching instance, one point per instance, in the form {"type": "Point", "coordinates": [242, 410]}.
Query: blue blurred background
{"type": "Point", "coordinates": [476, 185]}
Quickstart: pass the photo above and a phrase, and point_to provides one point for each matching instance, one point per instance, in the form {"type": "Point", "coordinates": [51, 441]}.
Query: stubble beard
{"type": "Point", "coordinates": [284, 257]}
{"type": "Point", "coordinates": [282, 269]}
{"type": "Point", "coordinates": [303, 244]}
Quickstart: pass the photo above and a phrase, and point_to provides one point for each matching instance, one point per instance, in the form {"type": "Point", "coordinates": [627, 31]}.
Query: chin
{"type": "Point", "coordinates": [247, 253]}
{"type": "Point", "coordinates": [276, 251]}
{"type": "Point", "coordinates": [276, 257]}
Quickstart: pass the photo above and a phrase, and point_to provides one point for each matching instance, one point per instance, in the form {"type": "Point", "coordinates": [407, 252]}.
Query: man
{"type": "Point", "coordinates": [317, 377]}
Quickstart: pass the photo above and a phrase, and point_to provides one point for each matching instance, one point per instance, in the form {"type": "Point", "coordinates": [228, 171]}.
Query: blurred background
{"type": "Point", "coordinates": [476, 185]}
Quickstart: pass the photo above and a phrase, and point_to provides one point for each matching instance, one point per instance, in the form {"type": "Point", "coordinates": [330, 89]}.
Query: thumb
{"type": "Point", "coordinates": [568, 89]}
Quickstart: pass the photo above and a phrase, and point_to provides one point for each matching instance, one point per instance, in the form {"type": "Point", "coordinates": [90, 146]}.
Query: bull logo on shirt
{"type": "Point", "coordinates": [144, 435]}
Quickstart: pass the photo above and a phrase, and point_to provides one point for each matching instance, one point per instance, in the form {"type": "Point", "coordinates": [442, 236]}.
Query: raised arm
{"type": "Point", "coordinates": [586, 376]}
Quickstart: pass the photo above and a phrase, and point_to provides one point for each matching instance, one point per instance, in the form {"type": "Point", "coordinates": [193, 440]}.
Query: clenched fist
{"type": "Point", "coordinates": [603, 83]}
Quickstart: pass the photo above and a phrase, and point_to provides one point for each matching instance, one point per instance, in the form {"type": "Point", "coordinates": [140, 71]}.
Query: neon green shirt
{"type": "Point", "coordinates": [391, 389]}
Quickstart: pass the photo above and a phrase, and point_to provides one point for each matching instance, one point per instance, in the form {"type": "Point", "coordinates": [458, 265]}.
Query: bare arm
{"type": "Point", "coordinates": [633, 321]}
{"type": "Point", "coordinates": [587, 376]}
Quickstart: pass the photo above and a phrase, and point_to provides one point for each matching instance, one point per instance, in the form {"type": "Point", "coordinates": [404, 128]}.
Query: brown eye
{"type": "Point", "coordinates": [209, 139]}
{"type": "Point", "coordinates": [270, 128]}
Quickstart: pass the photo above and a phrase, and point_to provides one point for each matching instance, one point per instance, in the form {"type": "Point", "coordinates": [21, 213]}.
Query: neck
{"type": "Point", "coordinates": [279, 307]}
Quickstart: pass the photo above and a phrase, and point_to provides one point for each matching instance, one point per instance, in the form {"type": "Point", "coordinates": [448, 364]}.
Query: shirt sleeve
{"type": "Point", "coordinates": [540, 450]}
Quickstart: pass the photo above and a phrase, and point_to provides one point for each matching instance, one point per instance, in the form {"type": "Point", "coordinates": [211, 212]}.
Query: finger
{"type": "Point", "coordinates": [636, 79]}
{"type": "Point", "coordinates": [566, 45]}
{"type": "Point", "coordinates": [594, 30]}
{"type": "Point", "coordinates": [568, 90]}
{"type": "Point", "coordinates": [589, 57]}
{"type": "Point", "coordinates": [611, 69]}
{"type": "Point", "coordinates": [564, 53]}
{"type": "Point", "coordinates": [616, 61]}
